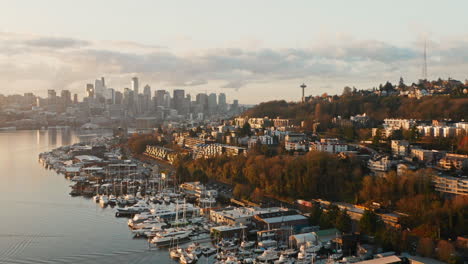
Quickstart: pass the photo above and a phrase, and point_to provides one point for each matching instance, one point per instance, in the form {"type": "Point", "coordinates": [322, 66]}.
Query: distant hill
{"type": "Point", "coordinates": [376, 107]}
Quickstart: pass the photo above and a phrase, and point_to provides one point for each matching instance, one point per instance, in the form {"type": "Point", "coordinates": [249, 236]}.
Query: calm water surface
{"type": "Point", "coordinates": [41, 223]}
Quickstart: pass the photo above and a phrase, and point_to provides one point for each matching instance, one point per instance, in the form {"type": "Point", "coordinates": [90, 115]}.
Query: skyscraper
{"type": "Point", "coordinates": [202, 101]}
{"type": "Point", "coordinates": [147, 98]}
{"type": "Point", "coordinates": [99, 87]}
{"type": "Point", "coordinates": [90, 90]}
{"type": "Point", "coordinates": [222, 105]}
{"type": "Point", "coordinates": [134, 86]}
{"type": "Point", "coordinates": [160, 94]}
{"type": "Point", "coordinates": [128, 98]}
{"type": "Point", "coordinates": [66, 97]}
{"type": "Point", "coordinates": [118, 97]}
{"type": "Point", "coordinates": [212, 103]}
{"type": "Point", "coordinates": [51, 94]}
{"type": "Point", "coordinates": [235, 105]}
{"type": "Point", "coordinates": [179, 99]}
{"type": "Point", "coordinates": [147, 91]}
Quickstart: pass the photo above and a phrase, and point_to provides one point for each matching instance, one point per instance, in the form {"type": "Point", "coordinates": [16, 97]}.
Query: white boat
{"type": "Point", "coordinates": [207, 251]}
{"type": "Point", "coordinates": [153, 231]}
{"type": "Point", "coordinates": [247, 244]}
{"type": "Point", "coordinates": [231, 260]}
{"type": "Point", "coordinates": [112, 199]}
{"type": "Point", "coordinates": [195, 249]}
{"type": "Point", "coordinates": [96, 198]}
{"type": "Point", "coordinates": [130, 199]}
{"type": "Point", "coordinates": [165, 238]}
{"type": "Point", "coordinates": [267, 243]}
{"type": "Point", "coordinates": [268, 256]}
{"type": "Point", "coordinates": [149, 224]}
{"type": "Point", "coordinates": [104, 200]}
{"type": "Point", "coordinates": [121, 201]}
{"type": "Point", "coordinates": [284, 260]}
{"type": "Point", "coordinates": [175, 252]}
{"type": "Point", "coordinates": [134, 209]}
{"type": "Point", "coordinates": [187, 258]}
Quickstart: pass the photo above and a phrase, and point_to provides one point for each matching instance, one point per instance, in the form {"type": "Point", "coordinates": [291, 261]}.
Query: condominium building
{"type": "Point", "coordinates": [451, 185]}
{"type": "Point", "coordinates": [453, 161]}
{"type": "Point", "coordinates": [331, 145]}
{"type": "Point", "coordinates": [399, 123]}
{"type": "Point", "coordinates": [400, 147]}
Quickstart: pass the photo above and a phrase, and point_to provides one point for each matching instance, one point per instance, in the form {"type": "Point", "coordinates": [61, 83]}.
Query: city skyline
{"type": "Point", "coordinates": [327, 46]}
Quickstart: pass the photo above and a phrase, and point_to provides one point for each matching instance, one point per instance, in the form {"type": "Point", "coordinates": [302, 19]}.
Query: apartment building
{"type": "Point", "coordinates": [451, 185]}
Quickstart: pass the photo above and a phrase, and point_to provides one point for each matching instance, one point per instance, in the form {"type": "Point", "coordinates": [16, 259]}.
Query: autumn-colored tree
{"type": "Point", "coordinates": [343, 222]}
{"type": "Point", "coordinates": [369, 222]}
{"type": "Point", "coordinates": [426, 247]}
{"type": "Point", "coordinates": [446, 252]}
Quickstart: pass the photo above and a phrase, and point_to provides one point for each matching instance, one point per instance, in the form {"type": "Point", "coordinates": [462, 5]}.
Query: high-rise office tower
{"type": "Point", "coordinates": [128, 98]}
{"type": "Point", "coordinates": [134, 86]}
{"type": "Point", "coordinates": [147, 106]}
{"type": "Point", "coordinates": [167, 99]}
{"type": "Point", "coordinates": [110, 95]}
{"type": "Point", "coordinates": [202, 101]}
{"type": "Point", "coordinates": [179, 100]}
{"type": "Point", "coordinates": [90, 90]}
{"type": "Point", "coordinates": [118, 97]}
{"type": "Point", "coordinates": [160, 94]}
{"type": "Point", "coordinates": [235, 105]}
{"type": "Point", "coordinates": [99, 87]}
{"type": "Point", "coordinates": [187, 103]}
{"type": "Point", "coordinates": [147, 91]}
{"type": "Point", "coordinates": [66, 97]}
{"type": "Point", "coordinates": [75, 98]}
{"type": "Point", "coordinates": [51, 96]}
{"type": "Point", "coordinates": [212, 103]}
{"type": "Point", "coordinates": [141, 103]}
{"type": "Point", "coordinates": [222, 105]}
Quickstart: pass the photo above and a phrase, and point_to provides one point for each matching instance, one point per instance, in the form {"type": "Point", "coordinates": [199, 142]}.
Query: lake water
{"type": "Point", "coordinates": [41, 223]}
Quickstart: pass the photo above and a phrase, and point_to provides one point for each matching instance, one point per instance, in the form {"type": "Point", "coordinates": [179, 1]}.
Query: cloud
{"type": "Point", "coordinates": [56, 43]}
{"type": "Point", "coordinates": [234, 84]}
{"type": "Point", "coordinates": [70, 63]}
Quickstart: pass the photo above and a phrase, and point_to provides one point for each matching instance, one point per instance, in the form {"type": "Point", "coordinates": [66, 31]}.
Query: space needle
{"type": "Point", "coordinates": [303, 86]}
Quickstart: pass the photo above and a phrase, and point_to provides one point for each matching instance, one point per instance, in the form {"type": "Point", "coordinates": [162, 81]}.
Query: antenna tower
{"type": "Point", "coordinates": [424, 71]}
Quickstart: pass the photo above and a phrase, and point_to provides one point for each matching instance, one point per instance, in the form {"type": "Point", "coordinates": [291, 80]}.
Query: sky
{"type": "Point", "coordinates": [253, 51]}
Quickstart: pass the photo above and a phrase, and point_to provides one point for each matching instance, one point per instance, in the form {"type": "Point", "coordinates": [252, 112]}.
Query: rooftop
{"type": "Point", "coordinates": [384, 260]}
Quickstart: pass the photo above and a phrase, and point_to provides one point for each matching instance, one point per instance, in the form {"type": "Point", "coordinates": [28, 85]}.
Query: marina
{"type": "Point", "coordinates": [94, 209]}
{"type": "Point", "coordinates": [182, 222]}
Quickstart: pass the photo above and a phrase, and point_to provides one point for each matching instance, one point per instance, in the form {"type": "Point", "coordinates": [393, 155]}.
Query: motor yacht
{"type": "Point", "coordinates": [165, 238]}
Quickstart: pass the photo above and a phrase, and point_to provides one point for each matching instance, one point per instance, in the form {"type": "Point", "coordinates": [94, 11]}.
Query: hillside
{"type": "Point", "coordinates": [377, 107]}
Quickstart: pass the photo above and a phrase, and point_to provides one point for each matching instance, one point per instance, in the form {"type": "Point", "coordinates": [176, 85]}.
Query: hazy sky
{"type": "Point", "coordinates": [251, 50]}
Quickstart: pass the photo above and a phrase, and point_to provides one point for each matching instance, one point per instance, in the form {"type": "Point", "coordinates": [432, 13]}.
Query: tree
{"type": "Point", "coordinates": [401, 83]}
{"type": "Point", "coordinates": [397, 134]}
{"type": "Point", "coordinates": [246, 130]}
{"type": "Point", "coordinates": [369, 222]}
{"type": "Point", "coordinates": [426, 247]}
{"type": "Point", "coordinates": [446, 252]}
{"type": "Point", "coordinates": [314, 215]}
{"type": "Point", "coordinates": [378, 136]}
{"type": "Point", "coordinates": [343, 222]}
{"type": "Point", "coordinates": [347, 91]}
